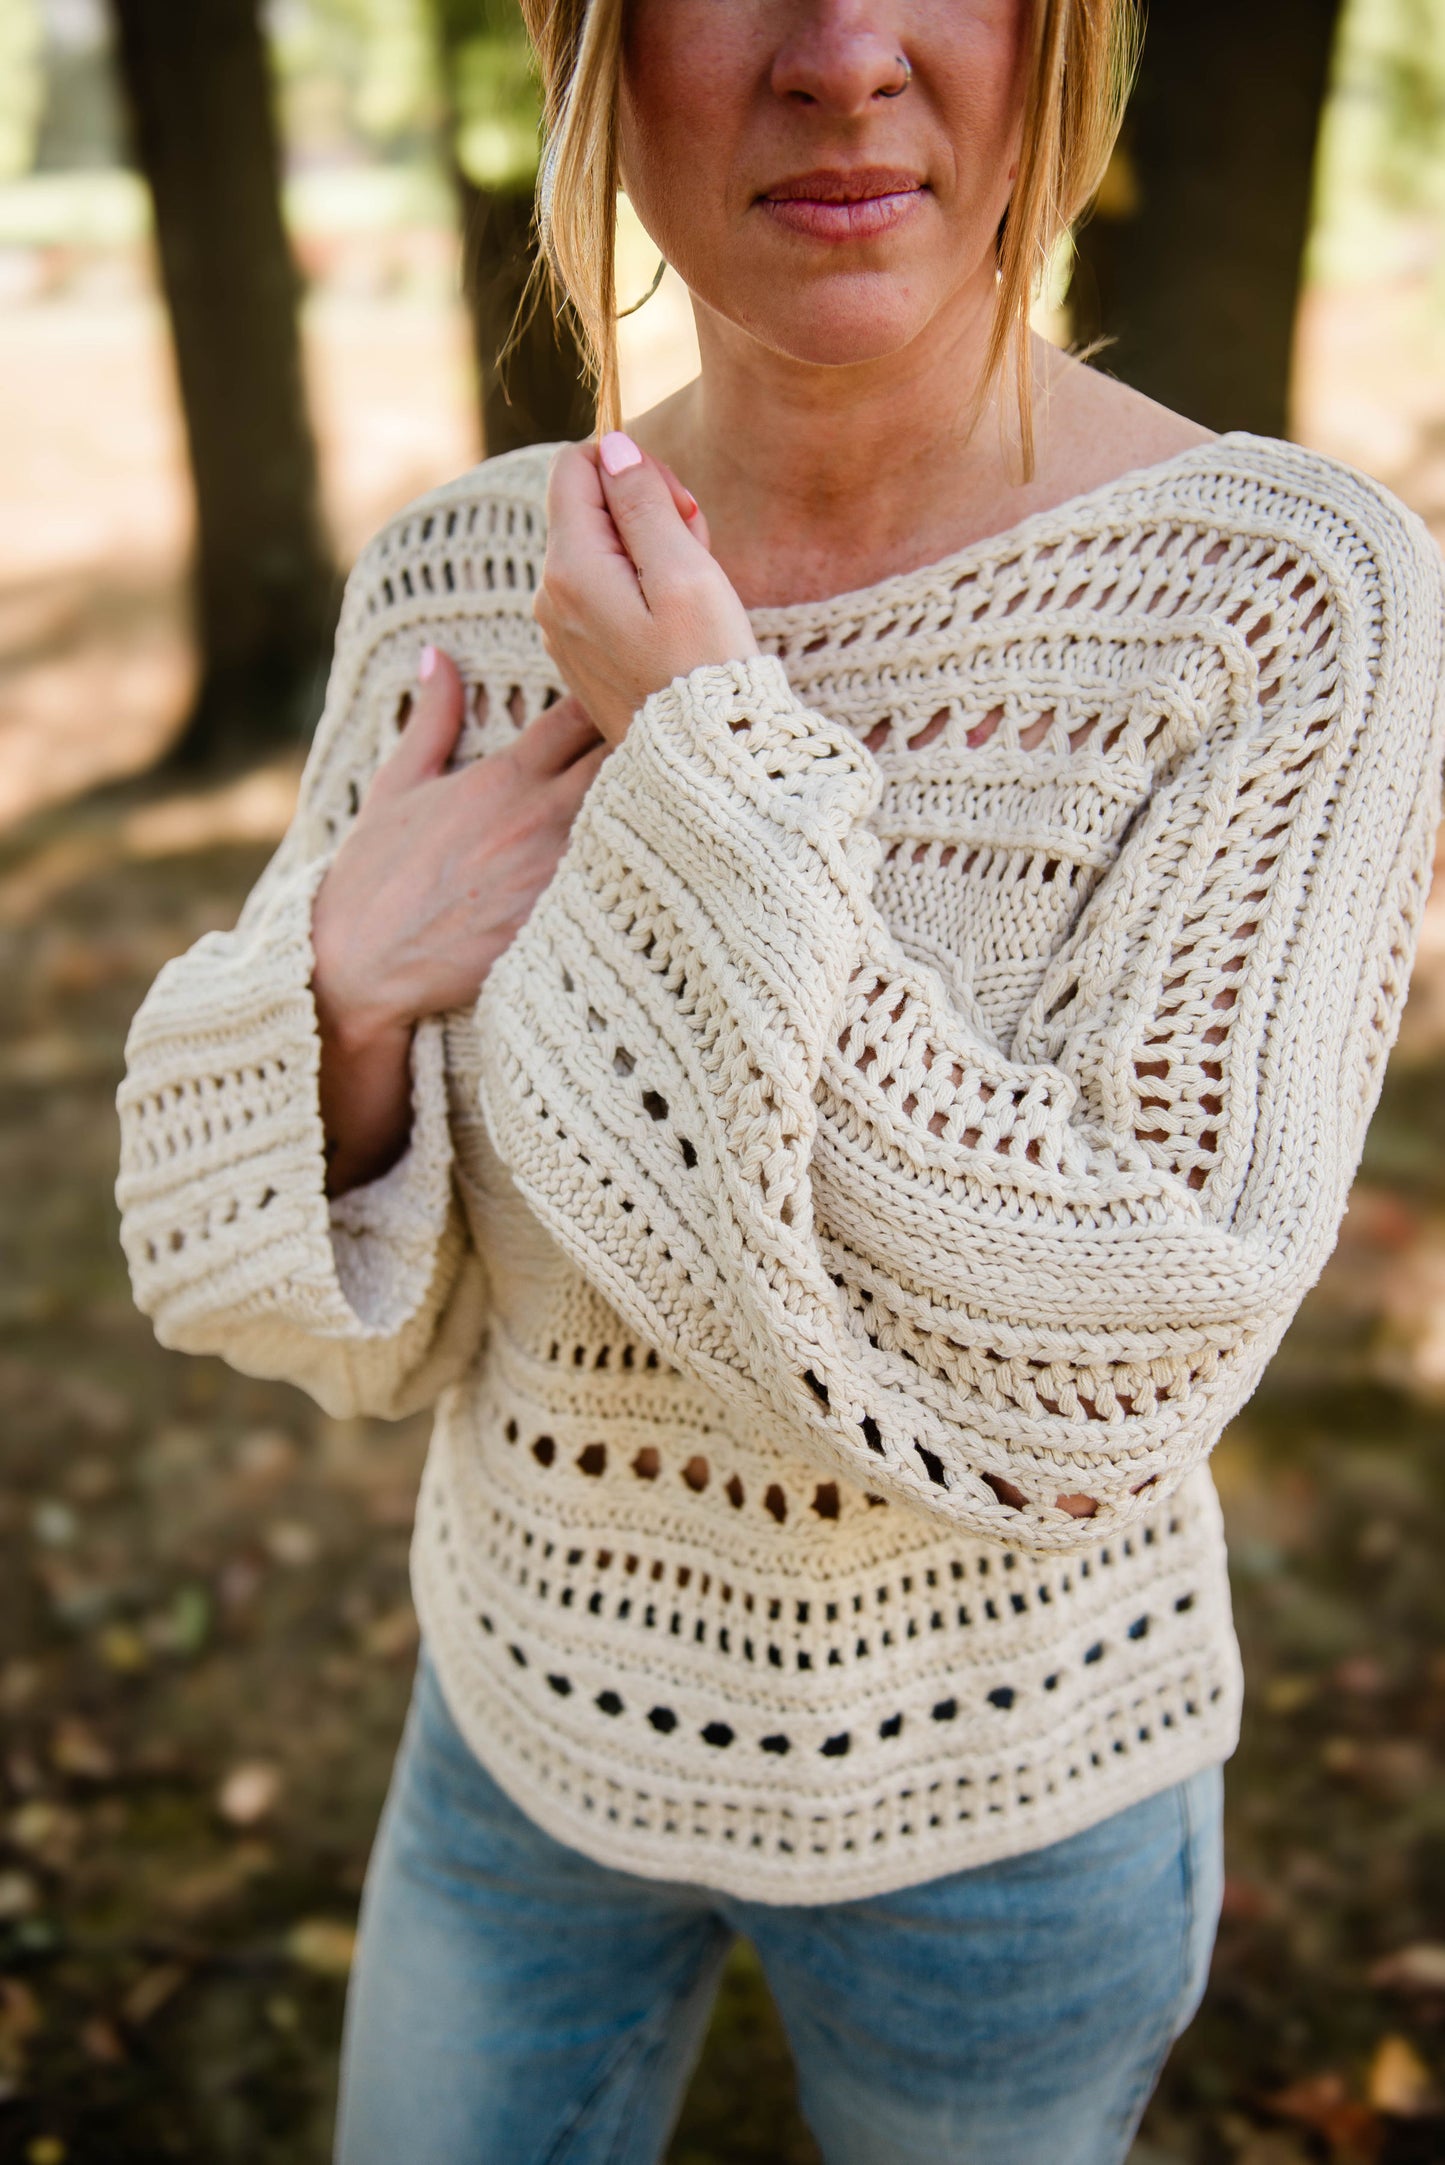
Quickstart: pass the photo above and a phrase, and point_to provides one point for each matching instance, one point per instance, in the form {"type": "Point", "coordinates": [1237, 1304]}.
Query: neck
{"type": "Point", "coordinates": [816, 479]}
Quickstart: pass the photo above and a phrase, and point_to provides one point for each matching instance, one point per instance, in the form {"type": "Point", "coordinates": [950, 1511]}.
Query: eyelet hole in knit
{"type": "Point", "coordinates": [855, 1650]}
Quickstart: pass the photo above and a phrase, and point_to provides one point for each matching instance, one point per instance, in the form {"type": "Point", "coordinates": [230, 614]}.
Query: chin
{"type": "Point", "coordinates": [834, 330]}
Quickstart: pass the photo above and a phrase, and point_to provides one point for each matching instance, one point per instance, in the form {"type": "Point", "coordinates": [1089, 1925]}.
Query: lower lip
{"type": "Point", "coordinates": [862, 220]}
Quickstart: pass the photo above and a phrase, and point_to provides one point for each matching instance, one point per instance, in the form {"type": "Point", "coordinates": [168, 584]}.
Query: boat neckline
{"type": "Point", "coordinates": [776, 616]}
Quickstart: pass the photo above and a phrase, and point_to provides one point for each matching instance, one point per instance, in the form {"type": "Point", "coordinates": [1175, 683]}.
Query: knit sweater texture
{"type": "Point", "coordinates": [925, 1091]}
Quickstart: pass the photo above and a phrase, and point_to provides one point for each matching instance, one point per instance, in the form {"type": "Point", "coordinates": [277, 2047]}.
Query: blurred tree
{"type": "Point", "coordinates": [1380, 189]}
{"type": "Point", "coordinates": [393, 78]}
{"type": "Point", "coordinates": [538, 393]}
{"type": "Point", "coordinates": [1394, 58]}
{"type": "Point", "coordinates": [22, 85]}
{"type": "Point", "coordinates": [196, 82]}
{"type": "Point", "coordinates": [1191, 261]}
{"type": "Point", "coordinates": [356, 77]}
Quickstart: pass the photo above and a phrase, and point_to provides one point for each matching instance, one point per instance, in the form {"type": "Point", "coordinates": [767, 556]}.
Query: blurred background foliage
{"type": "Point", "coordinates": [1380, 182]}
{"type": "Point", "coordinates": [205, 1631]}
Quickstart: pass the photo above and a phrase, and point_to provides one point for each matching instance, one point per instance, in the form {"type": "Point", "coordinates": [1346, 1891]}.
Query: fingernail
{"type": "Point", "coordinates": [617, 452]}
{"type": "Point", "coordinates": [426, 665]}
{"type": "Point", "coordinates": [690, 507]}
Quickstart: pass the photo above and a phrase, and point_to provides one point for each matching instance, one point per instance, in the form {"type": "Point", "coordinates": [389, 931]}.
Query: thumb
{"type": "Point", "coordinates": [430, 724]}
{"type": "Point", "coordinates": [691, 511]}
{"type": "Point", "coordinates": [644, 509]}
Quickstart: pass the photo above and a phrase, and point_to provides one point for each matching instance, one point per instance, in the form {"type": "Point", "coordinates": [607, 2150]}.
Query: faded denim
{"type": "Point", "coordinates": [514, 2003]}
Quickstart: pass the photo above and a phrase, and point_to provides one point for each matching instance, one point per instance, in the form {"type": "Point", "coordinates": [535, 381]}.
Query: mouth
{"type": "Point", "coordinates": [843, 203]}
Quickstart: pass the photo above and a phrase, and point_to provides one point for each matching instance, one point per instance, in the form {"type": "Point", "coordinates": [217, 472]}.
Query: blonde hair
{"type": "Point", "coordinates": [1078, 78]}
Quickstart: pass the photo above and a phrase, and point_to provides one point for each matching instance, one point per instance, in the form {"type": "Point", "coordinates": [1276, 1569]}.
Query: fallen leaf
{"type": "Point", "coordinates": [249, 1792]}
{"type": "Point", "coordinates": [1341, 1756]}
{"type": "Point", "coordinates": [91, 1480]}
{"type": "Point", "coordinates": [238, 1583]}
{"type": "Point", "coordinates": [1360, 1675]}
{"type": "Point", "coordinates": [1246, 1902]}
{"type": "Point", "coordinates": [122, 1649]}
{"type": "Point", "coordinates": [19, 1683]}
{"type": "Point", "coordinates": [292, 1542]}
{"type": "Point", "coordinates": [323, 1945]}
{"type": "Point", "coordinates": [19, 1896]}
{"type": "Point", "coordinates": [76, 1749]}
{"type": "Point", "coordinates": [1420, 1968]}
{"type": "Point", "coordinates": [54, 1523]}
{"type": "Point", "coordinates": [184, 1627]}
{"type": "Point", "coordinates": [150, 1992]}
{"type": "Point", "coordinates": [48, 1831]}
{"type": "Point", "coordinates": [19, 2013]}
{"type": "Point", "coordinates": [1287, 1694]}
{"type": "Point", "coordinates": [266, 1457]}
{"type": "Point", "coordinates": [1400, 2083]}
{"type": "Point", "coordinates": [1323, 2104]}
{"type": "Point", "coordinates": [212, 1885]}
{"type": "Point", "coordinates": [1379, 1541]}
{"type": "Point", "coordinates": [101, 2041]}
{"type": "Point", "coordinates": [23, 1772]}
{"type": "Point", "coordinates": [391, 1634]}
{"type": "Point", "coordinates": [393, 1507]}
{"type": "Point", "coordinates": [1275, 2149]}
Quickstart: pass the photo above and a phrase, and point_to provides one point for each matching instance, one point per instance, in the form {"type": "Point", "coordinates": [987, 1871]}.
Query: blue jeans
{"type": "Point", "coordinates": [514, 2003]}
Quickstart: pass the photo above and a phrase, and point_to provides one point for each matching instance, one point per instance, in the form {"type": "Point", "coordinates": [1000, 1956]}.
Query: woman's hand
{"type": "Point", "coordinates": [630, 596]}
{"type": "Point", "coordinates": [435, 879]}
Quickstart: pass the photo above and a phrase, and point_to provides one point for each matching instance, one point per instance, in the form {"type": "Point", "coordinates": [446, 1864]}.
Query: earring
{"type": "Point", "coordinates": [647, 296]}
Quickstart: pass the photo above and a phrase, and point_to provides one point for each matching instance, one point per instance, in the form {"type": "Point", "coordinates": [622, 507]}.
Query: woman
{"type": "Point", "coordinates": [831, 1044]}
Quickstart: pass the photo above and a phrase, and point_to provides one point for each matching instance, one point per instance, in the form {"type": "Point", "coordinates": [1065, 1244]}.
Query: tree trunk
{"type": "Point", "coordinates": [197, 84]}
{"type": "Point", "coordinates": [1191, 263]}
{"type": "Point", "coordinates": [540, 393]}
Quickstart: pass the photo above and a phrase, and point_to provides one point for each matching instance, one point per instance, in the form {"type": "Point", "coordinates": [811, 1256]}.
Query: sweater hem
{"type": "Point", "coordinates": [598, 1832]}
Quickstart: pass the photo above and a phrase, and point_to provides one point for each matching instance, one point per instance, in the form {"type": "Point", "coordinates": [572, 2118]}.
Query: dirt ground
{"type": "Point", "coordinates": [205, 1634]}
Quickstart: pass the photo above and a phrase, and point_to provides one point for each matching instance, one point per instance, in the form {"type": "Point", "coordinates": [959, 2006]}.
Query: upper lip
{"type": "Point", "coordinates": [842, 184]}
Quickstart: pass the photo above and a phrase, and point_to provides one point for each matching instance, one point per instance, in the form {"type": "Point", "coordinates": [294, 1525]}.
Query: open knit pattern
{"type": "Point", "coordinates": [886, 1158]}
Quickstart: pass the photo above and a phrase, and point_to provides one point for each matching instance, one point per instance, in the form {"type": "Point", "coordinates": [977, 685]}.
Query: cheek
{"type": "Point", "coordinates": [687, 80]}
{"type": "Point", "coordinates": [980, 72]}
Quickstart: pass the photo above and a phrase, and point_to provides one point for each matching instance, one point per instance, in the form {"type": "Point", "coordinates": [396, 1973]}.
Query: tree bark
{"type": "Point", "coordinates": [266, 593]}
{"type": "Point", "coordinates": [1191, 264]}
{"type": "Point", "coordinates": [540, 393]}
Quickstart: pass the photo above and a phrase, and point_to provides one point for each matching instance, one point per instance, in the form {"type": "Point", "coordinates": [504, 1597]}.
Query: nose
{"type": "Point", "coordinates": [837, 54]}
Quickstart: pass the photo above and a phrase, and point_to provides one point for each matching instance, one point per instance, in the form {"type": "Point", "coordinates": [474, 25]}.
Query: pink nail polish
{"type": "Point", "coordinates": [617, 452]}
{"type": "Point", "coordinates": [690, 505]}
{"type": "Point", "coordinates": [426, 665]}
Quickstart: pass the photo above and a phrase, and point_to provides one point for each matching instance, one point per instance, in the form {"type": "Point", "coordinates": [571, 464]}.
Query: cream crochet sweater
{"type": "Point", "coordinates": [926, 1090]}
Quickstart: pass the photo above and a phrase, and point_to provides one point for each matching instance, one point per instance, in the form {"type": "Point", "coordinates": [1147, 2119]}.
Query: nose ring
{"type": "Point", "coordinates": [898, 88]}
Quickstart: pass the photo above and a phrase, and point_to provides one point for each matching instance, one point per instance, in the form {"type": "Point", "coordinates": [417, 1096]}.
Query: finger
{"type": "Point", "coordinates": [653, 531]}
{"type": "Point", "coordinates": [587, 566]}
{"type": "Point", "coordinates": [576, 507]}
{"type": "Point", "coordinates": [682, 495]}
{"type": "Point", "coordinates": [556, 737]}
{"type": "Point", "coordinates": [579, 777]}
{"type": "Point", "coordinates": [430, 728]}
